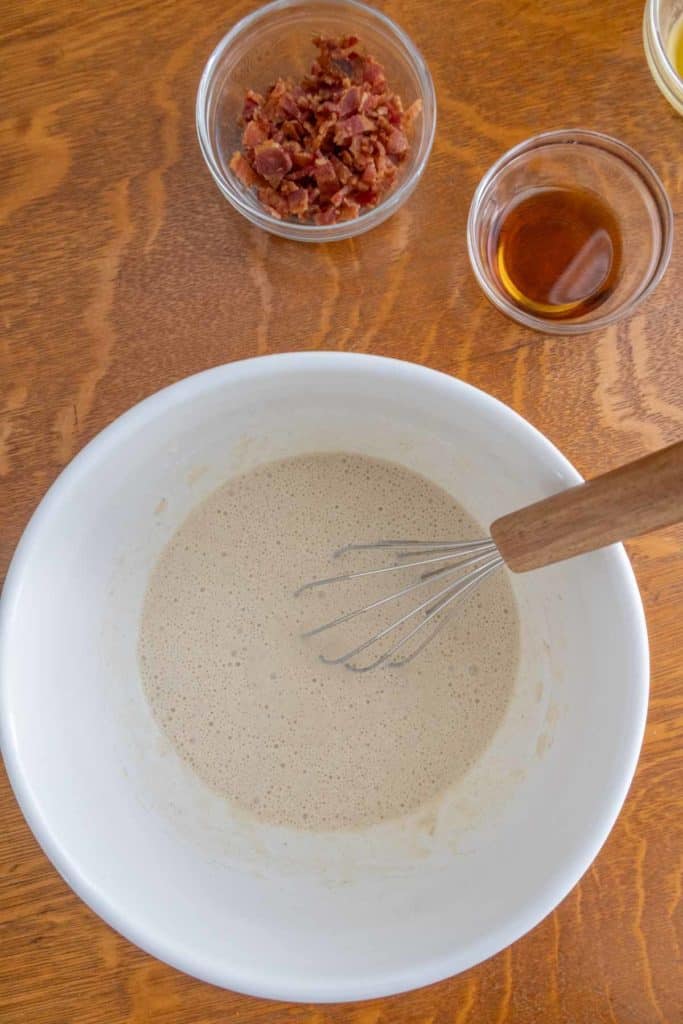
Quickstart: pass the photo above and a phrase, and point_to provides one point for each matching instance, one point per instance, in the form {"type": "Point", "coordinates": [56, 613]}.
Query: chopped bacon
{"type": "Point", "coordinates": [325, 177]}
{"type": "Point", "coordinates": [326, 215]}
{"type": "Point", "coordinates": [302, 160]}
{"type": "Point", "coordinates": [368, 198]}
{"type": "Point", "coordinates": [350, 126]}
{"type": "Point", "coordinates": [373, 73]}
{"type": "Point", "coordinates": [350, 101]}
{"type": "Point", "coordinates": [241, 167]}
{"type": "Point", "coordinates": [254, 134]}
{"type": "Point", "coordinates": [273, 201]}
{"type": "Point", "coordinates": [369, 175]}
{"type": "Point", "coordinates": [357, 151]}
{"type": "Point", "coordinates": [397, 143]}
{"type": "Point", "coordinates": [349, 210]}
{"type": "Point", "coordinates": [288, 105]}
{"type": "Point", "coordinates": [341, 170]}
{"type": "Point", "coordinates": [271, 161]}
{"type": "Point", "coordinates": [412, 113]}
{"type": "Point", "coordinates": [292, 130]}
{"type": "Point", "coordinates": [252, 102]}
{"type": "Point", "coordinates": [339, 196]}
{"type": "Point", "coordinates": [317, 142]}
{"type": "Point", "coordinates": [327, 147]}
{"type": "Point", "coordinates": [297, 202]}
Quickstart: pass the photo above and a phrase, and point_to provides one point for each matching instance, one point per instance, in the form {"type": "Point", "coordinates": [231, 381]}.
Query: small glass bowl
{"type": "Point", "coordinates": [276, 41]}
{"type": "Point", "coordinates": [658, 21]}
{"type": "Point", "coordinates": [578, 159]}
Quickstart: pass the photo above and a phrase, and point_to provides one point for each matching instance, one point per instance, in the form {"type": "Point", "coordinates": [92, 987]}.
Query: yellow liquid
{"type": "Point", "coordinates": [675, 46]}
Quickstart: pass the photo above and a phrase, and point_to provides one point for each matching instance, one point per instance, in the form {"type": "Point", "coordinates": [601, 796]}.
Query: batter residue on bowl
{"type": "Point", "coordinates": [249, 705]}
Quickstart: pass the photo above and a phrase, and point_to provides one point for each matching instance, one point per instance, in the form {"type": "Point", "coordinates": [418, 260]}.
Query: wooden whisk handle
{"type": "Point", "coordinates": [633, 499]}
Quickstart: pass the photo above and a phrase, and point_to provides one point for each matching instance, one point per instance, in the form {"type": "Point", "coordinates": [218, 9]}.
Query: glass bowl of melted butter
{"type": "Point", "coordinates": [569, 231]}
{"type": "Point", "coordinates": [663, 41]}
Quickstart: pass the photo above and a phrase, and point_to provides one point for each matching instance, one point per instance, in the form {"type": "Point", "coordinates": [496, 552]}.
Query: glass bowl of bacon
{"type": "Point", "coordinates": [316, 118]}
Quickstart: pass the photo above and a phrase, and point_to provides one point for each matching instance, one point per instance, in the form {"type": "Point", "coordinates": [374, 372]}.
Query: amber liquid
{"type": "Point", "coordinates": [557, 252]}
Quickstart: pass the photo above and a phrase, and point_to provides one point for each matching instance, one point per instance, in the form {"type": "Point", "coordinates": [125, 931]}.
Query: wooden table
{"type": "Point", "coordinates": [125, 270]}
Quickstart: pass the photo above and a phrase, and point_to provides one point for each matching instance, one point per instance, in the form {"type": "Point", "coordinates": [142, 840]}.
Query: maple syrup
{"type": "Point", "coordinates": [557, 252]}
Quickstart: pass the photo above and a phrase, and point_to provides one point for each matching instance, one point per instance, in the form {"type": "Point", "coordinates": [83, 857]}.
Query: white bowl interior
{"type": "Point", "coordinates": [260, 909]}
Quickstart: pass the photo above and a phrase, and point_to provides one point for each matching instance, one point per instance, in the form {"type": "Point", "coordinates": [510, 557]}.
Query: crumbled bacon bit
{"type": "Point", "coordinates": [252, 101]}
{"type": "Point", "coordinates": [329, 146]}
{"type": "Point", "coordinates": [397, 143]}
{"type": "Point", "coordinates": [242, 168]}
{"type": "Point", "coordinates": [271, 161]}
{"type": "Point", "coordinates": [298, 202]}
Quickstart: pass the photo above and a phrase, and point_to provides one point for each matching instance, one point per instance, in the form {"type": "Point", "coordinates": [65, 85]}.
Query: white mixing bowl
{"type": "Point", "coordinates": [263, 910]}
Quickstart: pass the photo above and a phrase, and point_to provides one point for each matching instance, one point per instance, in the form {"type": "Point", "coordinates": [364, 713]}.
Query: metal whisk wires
{"type": "Point", "coordinates": [467, 564]}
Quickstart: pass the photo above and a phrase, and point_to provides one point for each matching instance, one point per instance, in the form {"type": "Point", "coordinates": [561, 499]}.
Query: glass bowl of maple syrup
{"type": "Point", "coordinates": [569, 231]}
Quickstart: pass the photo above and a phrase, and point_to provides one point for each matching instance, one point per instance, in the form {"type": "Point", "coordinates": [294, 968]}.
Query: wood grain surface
{"type": "Point", "coordinates": [123, 270]}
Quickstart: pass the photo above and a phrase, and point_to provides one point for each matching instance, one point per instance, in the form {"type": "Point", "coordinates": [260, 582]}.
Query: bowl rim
{"type": "Point", "coordinates": [616, 149]}
{"type": "Point", "coordinates": [260, 982]}
{"type": "Point", "coordinates": [302, 231]}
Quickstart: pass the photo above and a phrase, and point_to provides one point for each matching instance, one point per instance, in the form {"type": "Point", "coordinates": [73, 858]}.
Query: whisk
{"type": "Point", "coordinates": [636, 498]}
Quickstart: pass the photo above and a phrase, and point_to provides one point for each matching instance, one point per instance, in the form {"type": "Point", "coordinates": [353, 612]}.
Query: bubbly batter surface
{"type": "Point", "coordinates": [249, 704]}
